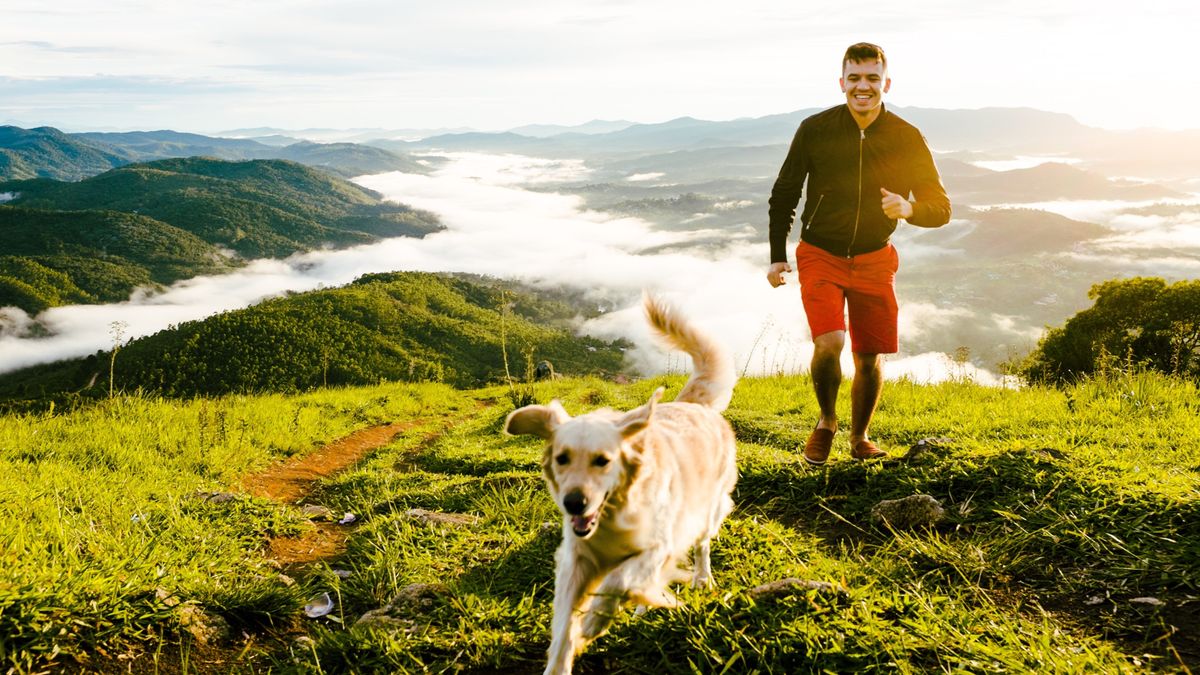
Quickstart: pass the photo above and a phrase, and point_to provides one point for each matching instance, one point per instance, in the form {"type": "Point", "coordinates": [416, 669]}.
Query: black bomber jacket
{"type": "Point", "coordinates": [845, 168]}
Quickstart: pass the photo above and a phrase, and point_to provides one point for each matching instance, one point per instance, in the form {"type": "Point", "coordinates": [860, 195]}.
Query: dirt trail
{"type": "Point", "coordinates": [292, 481]}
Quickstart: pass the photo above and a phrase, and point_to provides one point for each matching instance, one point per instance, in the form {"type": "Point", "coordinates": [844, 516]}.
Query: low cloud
{"type": "Point", "coordinates": [496, 228]}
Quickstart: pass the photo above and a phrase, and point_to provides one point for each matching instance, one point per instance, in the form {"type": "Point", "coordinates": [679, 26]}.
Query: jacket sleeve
{"type": "Point", "coordinates": [931, 207]}
{"type": "Point", "coordinates": [785, 195]}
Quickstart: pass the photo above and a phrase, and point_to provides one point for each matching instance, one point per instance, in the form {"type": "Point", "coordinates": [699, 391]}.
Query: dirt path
{"type": "Point", "coordinates": [292, 481]}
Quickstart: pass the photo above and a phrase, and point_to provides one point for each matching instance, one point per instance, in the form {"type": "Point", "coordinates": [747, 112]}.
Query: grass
{"type": "Point", "coordinates": [1065, 508]}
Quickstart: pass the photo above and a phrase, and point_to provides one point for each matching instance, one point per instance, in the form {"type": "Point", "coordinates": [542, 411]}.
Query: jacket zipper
{"type": "Point", "coordinates": [862, 136]}
{"type": "Point", "coordinates": [813, 217]}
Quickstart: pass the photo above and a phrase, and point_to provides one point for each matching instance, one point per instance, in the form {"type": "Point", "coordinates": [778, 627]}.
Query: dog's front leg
{"type": "Point", "coordinates": [641, 579]}
{"type": "Point", "coordinates": [575, 578]}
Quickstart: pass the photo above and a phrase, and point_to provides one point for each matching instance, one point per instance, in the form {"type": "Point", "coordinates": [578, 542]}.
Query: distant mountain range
{"type": "Point", "coordinates": [97, 239]}
{"type": "Point", "coordinates": [46, 152]}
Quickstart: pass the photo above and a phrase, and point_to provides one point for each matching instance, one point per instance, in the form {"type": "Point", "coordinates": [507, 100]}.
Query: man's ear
{"type": "Point", "coordinates": [638, 419]}
{"type": "Point", "coordinates": [842, 84]}
{"type": "Point", "coordinates": [536, 420]}
{"type": "Point", "coordinates": [887, 84]}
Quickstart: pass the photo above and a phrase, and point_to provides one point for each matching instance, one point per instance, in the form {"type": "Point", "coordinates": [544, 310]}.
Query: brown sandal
{"type": "Point", "coordinates": [865, 450]}
{"type": "Point", "coordinates": [816, 450]}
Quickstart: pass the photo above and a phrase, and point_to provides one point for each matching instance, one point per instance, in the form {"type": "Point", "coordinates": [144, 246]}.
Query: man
{"type": "Point", "coordinates": [866, 168]}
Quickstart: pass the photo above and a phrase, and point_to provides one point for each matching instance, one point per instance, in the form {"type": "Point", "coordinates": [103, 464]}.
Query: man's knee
{"type": "Point", "coordinates": [829, 344]}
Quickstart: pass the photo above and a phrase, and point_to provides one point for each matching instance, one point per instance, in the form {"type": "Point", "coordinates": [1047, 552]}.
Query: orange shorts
{"type": "Point", "coordinates": [865, 283]}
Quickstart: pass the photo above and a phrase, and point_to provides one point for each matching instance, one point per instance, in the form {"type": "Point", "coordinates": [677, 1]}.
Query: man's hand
{"type": "Point", "coordinates": [895, 206]}
{"type": "Point", "coordinates": [776, 272]}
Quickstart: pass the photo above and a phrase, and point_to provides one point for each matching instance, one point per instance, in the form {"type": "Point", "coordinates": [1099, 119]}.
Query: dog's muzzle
{"type": "Point", "coordinates": [576, 506]}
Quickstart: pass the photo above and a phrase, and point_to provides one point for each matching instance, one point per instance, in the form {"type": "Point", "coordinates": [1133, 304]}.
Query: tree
{"type": "Point", "coordinates": [1142, 321]}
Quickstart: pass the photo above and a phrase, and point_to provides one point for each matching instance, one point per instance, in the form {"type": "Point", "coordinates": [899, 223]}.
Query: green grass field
{"type": "Point", "coordinates": [1071, 541]}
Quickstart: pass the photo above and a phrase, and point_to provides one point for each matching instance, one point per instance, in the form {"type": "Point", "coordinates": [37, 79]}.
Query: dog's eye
{"type": "Point", "coordinates": [600, 461]}
{"type": "Point", "coordinates": [562, 458]}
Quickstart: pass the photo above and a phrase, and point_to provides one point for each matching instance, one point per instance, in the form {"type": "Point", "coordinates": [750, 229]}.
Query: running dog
{"type": "Point", "coordinates": [638, 491]}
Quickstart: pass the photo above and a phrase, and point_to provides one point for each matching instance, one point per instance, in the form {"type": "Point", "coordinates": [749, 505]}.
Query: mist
{"type": "Point", "coordinates": [495, 227]}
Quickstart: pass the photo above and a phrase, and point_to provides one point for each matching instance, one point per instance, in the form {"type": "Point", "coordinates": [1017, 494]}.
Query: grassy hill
{"type": "Point", "coordinates": [260, 208]}
{"type": "Point", "coordinates": [1070, 542]}
{"type": "Point", "coordinates": [46, 152]}
{"type": "Point", "coordinates": [53, 258]}
{"type": "Point", "coordinates": [401, 327]}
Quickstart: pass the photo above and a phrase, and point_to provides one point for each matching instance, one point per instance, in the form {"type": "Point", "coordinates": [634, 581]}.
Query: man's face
{"type": "Point", "coordinates": [864, 84]}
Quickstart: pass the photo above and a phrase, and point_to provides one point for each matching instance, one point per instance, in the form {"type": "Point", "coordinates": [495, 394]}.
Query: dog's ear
{"type": "Point", "coordinates": [536, 420]}
{"type": "Point", "coordinates": [638, 419]}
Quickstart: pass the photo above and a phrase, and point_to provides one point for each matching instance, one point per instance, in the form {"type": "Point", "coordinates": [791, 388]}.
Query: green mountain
{"type": "Point", "coordinates": [53, 258]}
{"type": "Point", "coordinates": [399, 327]}
{"type": "Point", "coordinates": [46, 152]}
{"type": "Point", "coordinates": [260, 208]}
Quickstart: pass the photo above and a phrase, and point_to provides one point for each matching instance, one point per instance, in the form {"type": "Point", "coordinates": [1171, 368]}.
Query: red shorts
{"type": "Point", "coordinates": [865, 283]}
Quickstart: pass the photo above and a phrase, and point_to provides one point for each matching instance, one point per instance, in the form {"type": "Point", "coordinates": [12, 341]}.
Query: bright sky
{"type": "Point", "coordinates": [488, 64]}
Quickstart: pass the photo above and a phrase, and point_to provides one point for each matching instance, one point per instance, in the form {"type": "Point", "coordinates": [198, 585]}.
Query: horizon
{"type": "Point", "coordinates": [374, 65]}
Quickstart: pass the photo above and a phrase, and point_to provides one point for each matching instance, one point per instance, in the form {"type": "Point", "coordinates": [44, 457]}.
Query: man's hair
{"type": "Point", "coordinates": [864, 52]}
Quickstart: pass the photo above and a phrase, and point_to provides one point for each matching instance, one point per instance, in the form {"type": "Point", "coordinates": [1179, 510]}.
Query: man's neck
{"type": "Point", "coordinates": [865, 120]}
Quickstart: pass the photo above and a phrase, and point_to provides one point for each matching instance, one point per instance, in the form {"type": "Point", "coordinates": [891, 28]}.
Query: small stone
{"type": "Point", "coordinates": [221, 497]}
{"type": "Point", "coordinates": [206, 627]}
{"type": "Point", "coordinates": [792, 585]}
{"type": "Point", "coordinates": [441, 518]}
{"type": "Point", "coordinates": [1154, 602]}
{"type": "Point", "coordinates": [166, 597]}
{"type": "Point", "coordinates": [286, 580]}
{"type": "Point", "coordinates": [347, 518]}
{"type": "Point", "coordinates": [910, 512]}
{"type": "Point", "coordinates": [1094, 600]}
{"type": "Point", "coordinates": [316, 512]}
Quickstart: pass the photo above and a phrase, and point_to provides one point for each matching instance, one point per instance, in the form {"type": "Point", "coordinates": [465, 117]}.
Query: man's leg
{"type": "Point", "coordinates": [827, 375]}
{"type": "Point", "coordinates": [864, 394]}
{"type": "Point", "coordinates": [864, 397]}
{"type": "Point", "coordinates": [827, 379]}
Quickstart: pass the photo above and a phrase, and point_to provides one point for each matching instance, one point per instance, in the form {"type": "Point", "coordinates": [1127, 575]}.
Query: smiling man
{"type": "Point", "coordinates": [866, 169]}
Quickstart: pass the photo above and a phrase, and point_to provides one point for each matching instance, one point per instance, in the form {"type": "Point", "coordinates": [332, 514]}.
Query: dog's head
{"type": "Point", "coordinates": [587, 458]}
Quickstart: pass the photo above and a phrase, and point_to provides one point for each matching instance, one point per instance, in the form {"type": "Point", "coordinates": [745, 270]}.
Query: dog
{"type": "Point", "coordinates": [638, 491]}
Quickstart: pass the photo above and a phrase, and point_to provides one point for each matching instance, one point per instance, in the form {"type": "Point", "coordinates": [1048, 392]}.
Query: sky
{"type": "Point", "coordinates": [402, 64]}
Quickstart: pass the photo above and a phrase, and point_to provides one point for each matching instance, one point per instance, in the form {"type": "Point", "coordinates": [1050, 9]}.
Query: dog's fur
{"type": "Point", "coordinates": [637, 490]}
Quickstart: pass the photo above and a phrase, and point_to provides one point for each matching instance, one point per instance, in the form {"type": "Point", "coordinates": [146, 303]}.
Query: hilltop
{"type": "Point", "coordinates": [1068, 541]}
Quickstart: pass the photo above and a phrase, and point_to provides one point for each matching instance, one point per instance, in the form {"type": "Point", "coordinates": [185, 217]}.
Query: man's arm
{"type": "Point", "coordinates": [931, 204]}
{"type": "Point", "coordinates": [785, 195]}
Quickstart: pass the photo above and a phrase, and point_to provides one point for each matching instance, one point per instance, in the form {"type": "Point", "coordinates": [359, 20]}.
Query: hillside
{"type": "Point", "coordinates": [53, 258]}
{"type": "Point", "coordinates": [260, 208]}
{"type": "Point", "coordinates": [138, 537]}
{"type": "Point", "coordinates": [408, 327]}
{"type": "Point", "coordinates": [46, 152]}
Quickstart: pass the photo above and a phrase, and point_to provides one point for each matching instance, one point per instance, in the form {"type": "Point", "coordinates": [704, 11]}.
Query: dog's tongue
{"type": "Point", "coordinates": [582, 523]}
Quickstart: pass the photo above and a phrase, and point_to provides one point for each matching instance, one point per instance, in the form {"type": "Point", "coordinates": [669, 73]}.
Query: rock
{"type": "Point", "coordinates": [412, 602]}
{"type": "Point", "coordinates": [440, 518]}
{"type": "Point", "coordinates": [792, 585]}
{"type": "Point", "coordinates": [316, 512]}
{"type": "Point", "coordinates": [925, 446]}
{"type": "Point", "coordinates": [166, 597]}
{"type": "Point", "coordinates": [1153, 602]}
{"type": "Point", "coordinates": [910, 512]}
{"type": "Point", "coordinates": [286, 580]}
{"type": "Point", "coordinates": [204, 626]}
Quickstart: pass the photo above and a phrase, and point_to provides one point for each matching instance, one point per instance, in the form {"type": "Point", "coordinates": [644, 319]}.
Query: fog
{"type": "Point", "coordinates": [495, 227]}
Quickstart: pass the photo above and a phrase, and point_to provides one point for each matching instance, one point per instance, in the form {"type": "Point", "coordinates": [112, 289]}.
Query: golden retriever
{"type": "Point", "coordinates": [638, 491]}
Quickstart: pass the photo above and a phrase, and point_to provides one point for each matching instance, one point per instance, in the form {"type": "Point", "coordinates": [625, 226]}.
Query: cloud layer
{"type": "Point", "coordinates": [494, 227]}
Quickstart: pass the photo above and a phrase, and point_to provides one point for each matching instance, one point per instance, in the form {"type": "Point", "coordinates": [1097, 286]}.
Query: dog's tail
{"type": "Point", "coordinates": [713, 374]}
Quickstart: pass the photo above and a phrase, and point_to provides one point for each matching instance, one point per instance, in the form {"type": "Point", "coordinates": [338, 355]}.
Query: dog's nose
{"type": "Point", "coordinates": [575, 502]}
